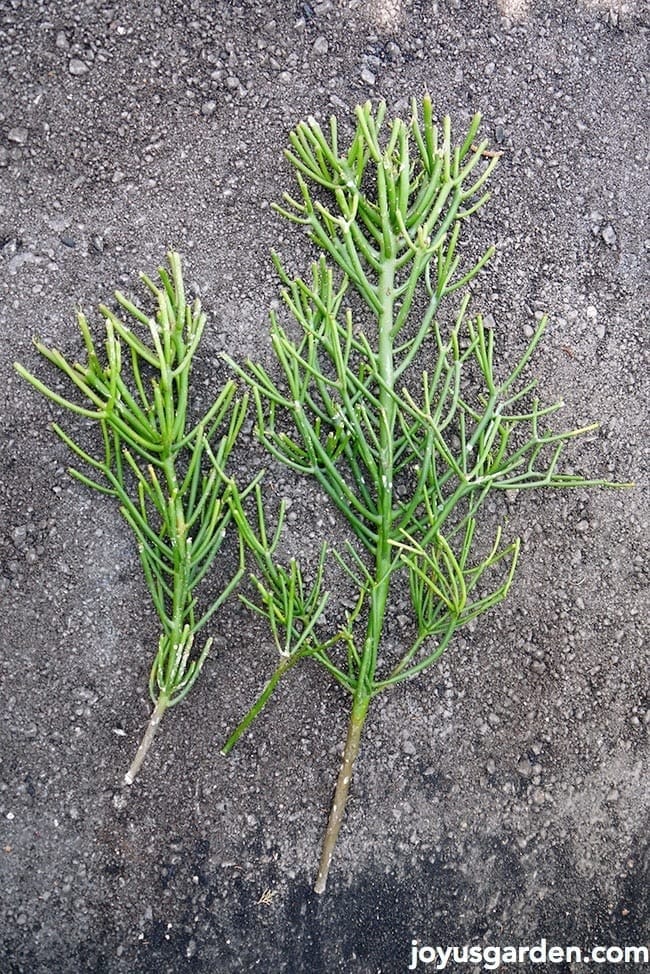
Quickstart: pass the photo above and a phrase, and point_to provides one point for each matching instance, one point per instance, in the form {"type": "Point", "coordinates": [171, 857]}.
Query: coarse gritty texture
{"type": "Point", "coordinates": [499, 798]}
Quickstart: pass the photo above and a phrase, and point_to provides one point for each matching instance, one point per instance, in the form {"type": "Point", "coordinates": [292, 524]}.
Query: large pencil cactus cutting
{"type": "Point", "coordinates": [407, 457]}
{"type": "Point", "coordinates": [166, 469]}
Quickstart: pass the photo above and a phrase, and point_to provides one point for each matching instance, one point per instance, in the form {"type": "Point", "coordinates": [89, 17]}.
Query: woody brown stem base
{"type": "Point", "coordinates": [149, 734]}
{"type": "Point", "coordinates": [357, 719]}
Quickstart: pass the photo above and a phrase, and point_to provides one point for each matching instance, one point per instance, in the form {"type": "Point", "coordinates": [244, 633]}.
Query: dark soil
{"type": "Point", "coordinates": [500, 799]}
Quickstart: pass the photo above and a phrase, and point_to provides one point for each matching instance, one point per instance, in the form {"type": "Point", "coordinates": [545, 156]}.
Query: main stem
{"type": "Point", "coordinates": [357, 720]}
{"type": "Point", "coordinates": [176, 529]}
{"type": "Point", "coordinates": [149, 734]}
{"type": "Point", "coordinates": [383, 559]}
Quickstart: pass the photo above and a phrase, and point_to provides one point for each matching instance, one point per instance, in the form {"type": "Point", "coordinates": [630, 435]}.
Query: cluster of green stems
{"type": "Point", "coordinates": [166, 471]}
{"type": "Point", "coordinates": [408, 457]}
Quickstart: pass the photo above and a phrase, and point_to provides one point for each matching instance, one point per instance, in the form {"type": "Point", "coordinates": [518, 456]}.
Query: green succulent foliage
{"type": "Point", "coordinates": [407, 457]}
{"type": "Point", "coordinates": [166, 470]}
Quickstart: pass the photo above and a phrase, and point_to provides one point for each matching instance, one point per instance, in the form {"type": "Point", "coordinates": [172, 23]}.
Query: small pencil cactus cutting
{"type": "Point", "coordinates": [166, 470]}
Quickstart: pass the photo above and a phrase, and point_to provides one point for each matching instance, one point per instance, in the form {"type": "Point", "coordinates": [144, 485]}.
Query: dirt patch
{"type": "Point", "coordinates": [501, 798]}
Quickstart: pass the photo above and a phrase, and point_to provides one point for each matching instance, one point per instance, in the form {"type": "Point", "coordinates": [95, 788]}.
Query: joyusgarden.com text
{"type": "Point", "coordinates": [424, 957]}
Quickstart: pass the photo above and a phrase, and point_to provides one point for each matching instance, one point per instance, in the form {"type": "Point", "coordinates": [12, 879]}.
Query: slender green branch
{"type": "Point", "coordinates": [153, 460]}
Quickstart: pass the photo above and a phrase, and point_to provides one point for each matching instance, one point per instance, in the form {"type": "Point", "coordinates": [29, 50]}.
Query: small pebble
{"type": "Point", "coordinates": [208, 108]}
{"type": "Point", "coordinates": [525, 768]}
{"type": "Point", "coordinates": [320, 45]}
{"type": "Point", "coordinates": [77, 67]}
{"type": "Point", "coordinates": [367, 76]}
{"type": "Point", "coordinates": [609, 235]}
{"type": "Point", "coordinates": [18, 135]}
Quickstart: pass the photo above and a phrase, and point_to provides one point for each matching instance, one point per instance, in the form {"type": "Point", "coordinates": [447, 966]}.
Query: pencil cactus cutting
{"type": "Point", "coordinates": [166, 470]}
{"type": "Point", "coordinates": [408, 457]}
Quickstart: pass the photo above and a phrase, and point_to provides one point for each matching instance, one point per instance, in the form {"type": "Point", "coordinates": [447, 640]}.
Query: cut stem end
{"type": "Point", "coordinates": [337, 810]}
{"type": "Point", "coordinates": [157, 715]}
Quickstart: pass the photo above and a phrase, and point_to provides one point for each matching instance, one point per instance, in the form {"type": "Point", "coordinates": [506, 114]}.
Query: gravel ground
{"type": "Point", "coordinates": [500, 799]}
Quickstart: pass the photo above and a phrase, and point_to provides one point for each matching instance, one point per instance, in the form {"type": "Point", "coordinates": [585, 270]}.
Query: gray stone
{"type": "Point", "coordinates": [77, 67]}
{"type": "Point", "coordinates": [525, 768]}
{"type": "Point", "coordinates": [18, 135]}
{"type": "Point", "coordinates": [609, 235]}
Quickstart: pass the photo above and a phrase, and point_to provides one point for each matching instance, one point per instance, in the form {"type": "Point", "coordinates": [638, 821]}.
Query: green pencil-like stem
{"type": "Point", "coordinates": [339, 802]}
{"type": "Point", "coordinates": [283, 667]}
{"type": "Point", "coordinates": [154, 722]}
{"type": "Point", "coordinates": [383, 552]}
